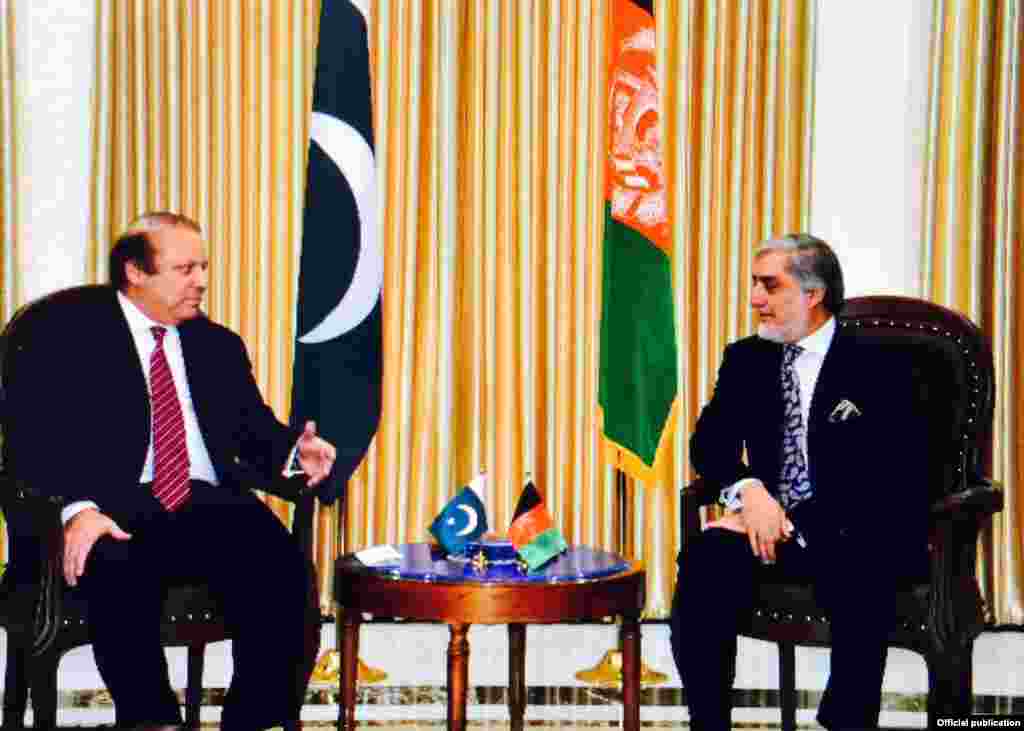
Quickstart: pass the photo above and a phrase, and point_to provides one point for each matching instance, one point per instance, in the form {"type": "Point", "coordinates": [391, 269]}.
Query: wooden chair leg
{"type": "Point", "coordinates": [16, 677]}
{"type": "Point", "coordinates": [43, 680]}
{"type": "Point", "coordinates": [950, 682]}
{"type": "Point", "coordinates": [787, 685]}
{"type": "Point", "coordinates": [194, 684]}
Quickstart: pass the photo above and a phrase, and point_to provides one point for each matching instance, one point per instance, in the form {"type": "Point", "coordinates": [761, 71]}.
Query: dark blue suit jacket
{"type": "Point", "coordinates": [869, 472]}
{"type": "Point", "coordinates": [80, 412]}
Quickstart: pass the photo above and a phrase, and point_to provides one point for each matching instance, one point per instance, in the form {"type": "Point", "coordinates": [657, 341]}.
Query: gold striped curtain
{"type": "Point", "coordinates": [490, 129]}
{"type": "Point", "coordinates": [9, 147]}
{"type": "Point", "coordinates": [490, 123]}
{"type": "Point", "coordinates": [974, 200]}
{"type": "Point", "coordinates": [10, 284]}
{"type": "Point", "coordinates": [740, 81]}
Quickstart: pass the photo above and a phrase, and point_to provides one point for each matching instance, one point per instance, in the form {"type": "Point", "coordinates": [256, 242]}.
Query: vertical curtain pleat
{"type": "Point", "coordinates": [10, 296]}
{"type": "Point", "coordinates": [972, 213]}
{"type": "Point", "coordinates": [489, 120]}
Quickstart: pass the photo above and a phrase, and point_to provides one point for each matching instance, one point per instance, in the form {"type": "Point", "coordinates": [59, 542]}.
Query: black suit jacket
{"type": "Point", "coordinates": [80, 407]}
{"type": "Point", "coordinates": [868, 472]}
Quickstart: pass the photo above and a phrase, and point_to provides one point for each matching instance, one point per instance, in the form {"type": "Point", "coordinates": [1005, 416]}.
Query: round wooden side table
{"type": "Point", "coordinates": [425, 585]}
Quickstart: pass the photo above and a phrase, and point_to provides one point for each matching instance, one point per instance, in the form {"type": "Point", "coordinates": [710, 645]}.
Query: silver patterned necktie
{"type": "Point", "coordinates": [794, 482]}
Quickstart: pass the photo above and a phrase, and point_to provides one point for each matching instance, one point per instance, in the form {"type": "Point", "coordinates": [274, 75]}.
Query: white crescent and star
{"type": "Point", "coordinates": [472, 523]}
{"type": "Point", "coordinates": [347, 149]}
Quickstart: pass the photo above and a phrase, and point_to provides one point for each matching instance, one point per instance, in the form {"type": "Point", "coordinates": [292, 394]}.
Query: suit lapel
{"type": "Point", "coordinates": [772, 413]}
{"type": "Point", "coordinates": [127, 375]}
{"type": "Point", "coordinates": [192, 349]}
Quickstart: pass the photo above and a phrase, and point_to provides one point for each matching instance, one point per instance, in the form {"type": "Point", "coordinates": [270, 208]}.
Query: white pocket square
{"type": "Point", "coordinates": [844, 410]}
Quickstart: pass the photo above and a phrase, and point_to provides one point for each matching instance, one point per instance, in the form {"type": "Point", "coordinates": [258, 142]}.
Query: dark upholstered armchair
{"type": "Point", "coordinates": [44, 618]}
{"type": "Point", "coordinates": [939, 619]}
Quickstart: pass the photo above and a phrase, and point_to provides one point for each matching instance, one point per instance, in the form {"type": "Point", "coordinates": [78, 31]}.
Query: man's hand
{"type": "Point", "coordinates": [80, 535]}
{"type": "Point", "coordinates": [315, 455]}
{"type": "Point", "coordinates": [765, 519]}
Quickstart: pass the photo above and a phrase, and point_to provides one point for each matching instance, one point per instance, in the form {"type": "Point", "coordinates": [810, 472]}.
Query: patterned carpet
{"type": "Point", "coordinates": [554, 708]}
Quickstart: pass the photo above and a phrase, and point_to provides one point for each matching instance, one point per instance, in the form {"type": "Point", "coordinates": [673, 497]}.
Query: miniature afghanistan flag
{"type": "Point", "coordinates": [533, 531]}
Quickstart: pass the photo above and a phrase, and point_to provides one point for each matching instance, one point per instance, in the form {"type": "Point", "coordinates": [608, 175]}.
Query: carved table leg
{"type": "Point", "coordinates": [347, 624]}
{"type": "Point", "coordinates": [458, 665]}
{"type": "Point", "coordinates": [516, 674]}
{"type": "Point", "coordinates": [629, 634]}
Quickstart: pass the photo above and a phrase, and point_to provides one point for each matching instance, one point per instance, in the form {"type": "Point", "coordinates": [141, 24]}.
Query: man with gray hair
{"type": "Point", "coordinates": [815, 410]}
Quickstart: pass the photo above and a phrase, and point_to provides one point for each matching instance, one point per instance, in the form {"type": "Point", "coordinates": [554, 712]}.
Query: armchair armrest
{"type": "Point", "coordinates": [981, 498]}
{"type": "Point", "coordinates": [703, 491]}
{"type": "Point", "coordinates": [35, 577]}
{"type": "Point", "coordinates": [956, 609]}
{"type": "Point", "coordinates": [292, 489]}
{"type": "Point", "coordinates": [698, 493]}
{"type": "Point", "coordinates": [30, 513]}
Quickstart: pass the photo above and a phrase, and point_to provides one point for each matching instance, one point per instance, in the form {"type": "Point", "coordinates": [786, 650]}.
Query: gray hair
{"type": "Point", "coordinates": [813, 264]}
{"type": "Point", "coordinates": [134, 245]}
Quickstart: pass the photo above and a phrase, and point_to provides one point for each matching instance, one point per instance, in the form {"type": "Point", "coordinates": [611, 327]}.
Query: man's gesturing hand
{"type": "Point", "coordinates": [80, 534]}
{"type": "Point", "coordinates": [766, 521]}
{"type": "Point", "coordinates": [315, 455]}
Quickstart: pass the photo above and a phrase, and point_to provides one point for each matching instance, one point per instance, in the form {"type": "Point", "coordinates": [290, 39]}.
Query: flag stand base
{"type": "Point", "coordinates": [328, 671]}
{"type": "Point", "coordinates": [608, 672]}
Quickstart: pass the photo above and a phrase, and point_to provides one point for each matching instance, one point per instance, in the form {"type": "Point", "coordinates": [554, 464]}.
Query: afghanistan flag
{"type": "Point", "coordinates": [337, 376]}
{"type": "Point", "coordinates": [533, 531]}
{"type": "Point", "coordinates": [637, 380]}
{"type": "Point", "coordinates": [462, 520]}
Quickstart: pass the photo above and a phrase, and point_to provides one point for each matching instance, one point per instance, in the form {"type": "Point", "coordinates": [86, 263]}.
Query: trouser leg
{"type": "Point", "coordinates": [714, 592]}
{"type": "Point", "coordinates": [125, 593]}
{"type": "Point", "coordinates": [861, 611]}
{"type": "Point", "coordinates": [264, 582]}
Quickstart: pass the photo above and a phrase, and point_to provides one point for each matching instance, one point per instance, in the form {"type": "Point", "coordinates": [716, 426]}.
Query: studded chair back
{"type": "Point", "coordinates": [955, 378]}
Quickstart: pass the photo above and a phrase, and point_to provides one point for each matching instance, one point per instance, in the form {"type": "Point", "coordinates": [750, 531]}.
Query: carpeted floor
{"type": "Point", "coordinates": [414, 695]}
{"type": "Point", "coordinates": [554, 708]}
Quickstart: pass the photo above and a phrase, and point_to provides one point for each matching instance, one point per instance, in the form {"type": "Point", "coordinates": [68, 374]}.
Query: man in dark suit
{"type": "Point", "coordinates": [830, 492]}
{"type": "Point", "coordinates": [146, 418]}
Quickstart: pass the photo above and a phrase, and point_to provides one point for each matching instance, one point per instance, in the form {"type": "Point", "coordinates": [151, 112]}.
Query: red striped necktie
{"type": "Point", "coordinates": [170, 452]}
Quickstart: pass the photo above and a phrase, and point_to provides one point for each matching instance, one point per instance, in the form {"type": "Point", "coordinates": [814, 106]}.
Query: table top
{"type": "Point", "coordinates": [583, 583]}
{"type": "Point", "coordinates": [428, 562]}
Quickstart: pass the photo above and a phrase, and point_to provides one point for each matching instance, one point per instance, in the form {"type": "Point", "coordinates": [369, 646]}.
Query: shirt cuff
{"type": "Point", "coordinates": [72, 509]}
{"type": "Point", "coordinates": [731, 496]}
{"type": "Point", "coordinates": [292, 466]}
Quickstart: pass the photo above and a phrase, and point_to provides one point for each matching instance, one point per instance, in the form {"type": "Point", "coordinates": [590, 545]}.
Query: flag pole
{"type": "Point", "coordinates": [327, 672]}
{"type": "Point", "coordinates": [608, 671]}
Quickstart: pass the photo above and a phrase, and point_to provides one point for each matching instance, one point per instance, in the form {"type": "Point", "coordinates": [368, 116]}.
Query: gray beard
{"type": "Point", "coordinates": [796, 331]}
{"type": "Point", "coordinates": [771, 334]}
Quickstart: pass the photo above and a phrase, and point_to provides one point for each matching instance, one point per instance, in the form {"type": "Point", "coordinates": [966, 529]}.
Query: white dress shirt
{"type": "Point", "coordinates": [200, 464]}
{"type": "Point", "coordinates": [807, 366]}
